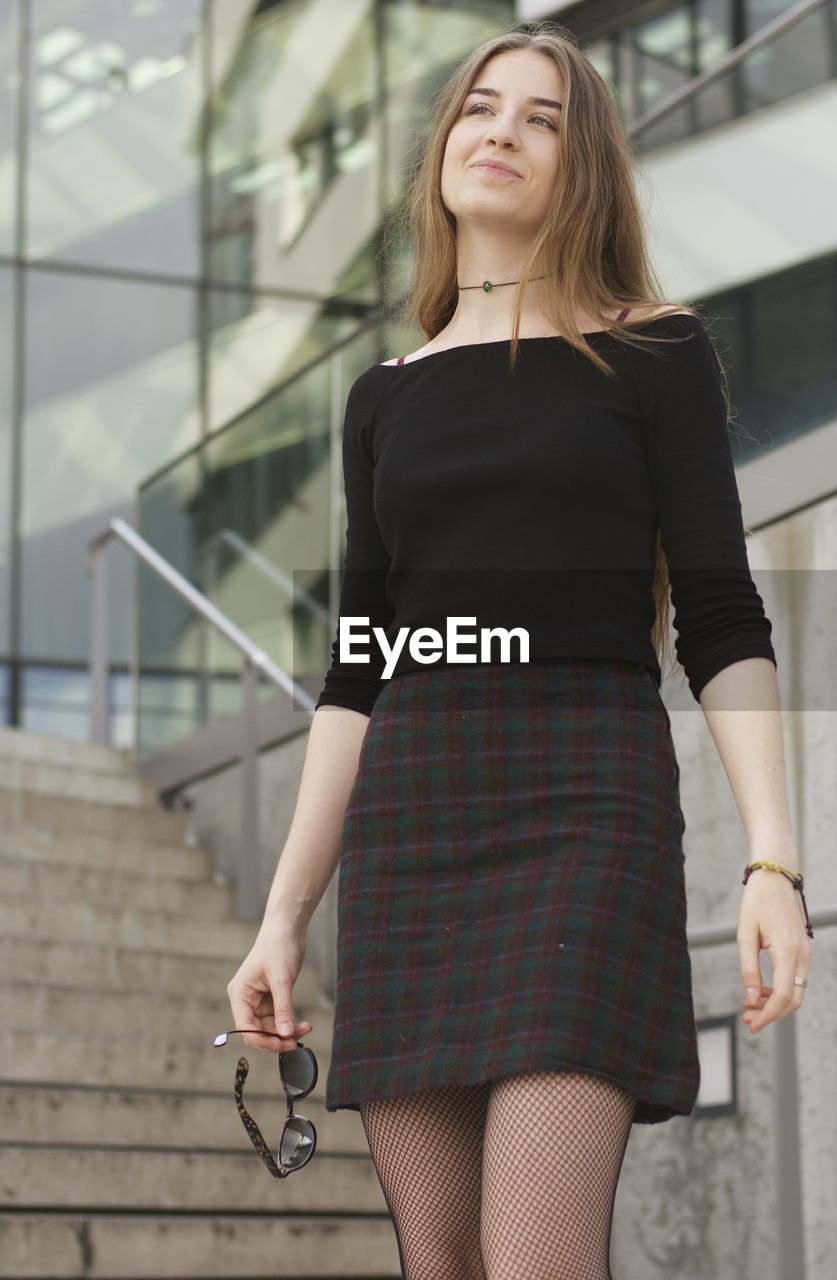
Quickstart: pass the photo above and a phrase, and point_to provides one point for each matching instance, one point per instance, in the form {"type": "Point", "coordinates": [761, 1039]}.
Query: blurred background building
{"type": "Point", "coordinates": [193, 202]}
{"type": "Point", "coordinates": [197, 258]}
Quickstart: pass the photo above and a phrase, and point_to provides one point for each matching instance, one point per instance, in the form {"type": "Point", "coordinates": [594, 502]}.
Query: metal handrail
{"type": "Point", "coordinates": [255, 660]}
{"type": "Point", "coordinates": [713, 935]}
{"type": "Point", "coordinates": [764, 36]}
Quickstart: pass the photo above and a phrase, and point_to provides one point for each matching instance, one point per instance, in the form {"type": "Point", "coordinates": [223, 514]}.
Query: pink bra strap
{"type": "Point", "coordinates": [400, 360]}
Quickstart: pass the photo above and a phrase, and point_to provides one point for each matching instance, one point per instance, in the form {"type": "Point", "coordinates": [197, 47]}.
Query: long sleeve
{"type": "Point", "coordinates": [366, 562]}
{"type": "Point", "coordinates": [719, 616]}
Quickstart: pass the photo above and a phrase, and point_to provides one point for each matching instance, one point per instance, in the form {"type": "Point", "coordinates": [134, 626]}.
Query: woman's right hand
{"type": "Point", "coordinates": [260, 993]}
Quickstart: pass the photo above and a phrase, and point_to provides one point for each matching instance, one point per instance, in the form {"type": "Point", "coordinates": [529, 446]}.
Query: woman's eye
{"type": "Point", "coordinates": [537, 116]}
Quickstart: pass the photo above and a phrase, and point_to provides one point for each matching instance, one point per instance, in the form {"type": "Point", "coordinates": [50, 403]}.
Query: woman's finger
{"type": "Point", "coordinates": [753, 1008]}
{"type": "Point", "coordinates": [780, 1000]}
{"type": "Point", "coordinates": [760, 998]}
{"type": "Point", "coordinates": [748, 961]}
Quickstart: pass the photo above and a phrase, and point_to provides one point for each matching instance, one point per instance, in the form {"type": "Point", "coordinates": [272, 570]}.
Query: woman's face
{"type": "Point", "coordinates": [505, 126]}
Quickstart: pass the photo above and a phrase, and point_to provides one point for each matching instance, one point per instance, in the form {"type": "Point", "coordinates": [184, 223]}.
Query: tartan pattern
{"type": "Point", "coordinates": [512, 887]}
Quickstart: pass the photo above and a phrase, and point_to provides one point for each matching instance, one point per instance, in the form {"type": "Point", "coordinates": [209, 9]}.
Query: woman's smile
{"type": "Point", "coordinates": [487, 167]}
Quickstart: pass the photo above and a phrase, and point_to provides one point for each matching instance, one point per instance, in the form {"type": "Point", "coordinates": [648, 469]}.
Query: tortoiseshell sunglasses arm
{"type": "Point", "coordinates": [253, 1130]}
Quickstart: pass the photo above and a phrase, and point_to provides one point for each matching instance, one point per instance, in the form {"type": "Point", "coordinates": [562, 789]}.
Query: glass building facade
{"type": "Point", "coordinates": [192, 210]}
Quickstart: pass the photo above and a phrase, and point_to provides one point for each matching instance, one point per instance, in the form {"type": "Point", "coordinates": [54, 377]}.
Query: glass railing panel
{"type": "Point", "coordinates": [170, 694]}
{"type": "Point", "coordinates": [7, 382]}
{"type": "Point", "coordinates": [257, 342]}
{"type": "Point", "coordinates": [249, 518]}
{"type": "Point", "coordinates": [266, 516]}
{"type": "Point", "coordinates": [5, 700]}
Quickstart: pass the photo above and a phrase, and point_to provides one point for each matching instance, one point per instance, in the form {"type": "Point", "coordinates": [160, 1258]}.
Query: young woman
{"type": "Point", "coordinates": [514, 984]}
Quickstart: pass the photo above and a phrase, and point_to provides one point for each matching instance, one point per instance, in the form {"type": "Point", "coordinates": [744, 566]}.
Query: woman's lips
{"type": "Point", "coordinates": [495, 168]}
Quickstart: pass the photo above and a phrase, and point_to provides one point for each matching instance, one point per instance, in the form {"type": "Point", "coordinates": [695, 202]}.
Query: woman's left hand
{"type": "Point", "coordinates": [771, 916]}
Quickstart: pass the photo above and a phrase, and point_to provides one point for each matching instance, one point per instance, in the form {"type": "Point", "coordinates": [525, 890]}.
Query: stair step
{"type": "Point", "coordinates": [109, 890]}
{"type": "Point", "coordinates": [70, 1113]}
{"type": "Point", "coordinates": [122, 1060]}
{"type": "Point", "coordinates": [128, 927]}
{"type": "Point", "coordinates": [204, 1181]}
{"type": "Point", "coordinates": [63, 813]}
{"type": "Point", "coordinates": [153, 970]}
{"type": "Point", "coordinates": [197, 1014]}
{"type": "Point", "coordinates": [123, 1153]}
{"type": "Point", "coordinates": [113, 852]}
{"type": "Point", "coordinates": [21, 744]}
{"type": "Point", "coordinates": [115, 1246]}
{"type": "Point", "coordinates": [96, 785]}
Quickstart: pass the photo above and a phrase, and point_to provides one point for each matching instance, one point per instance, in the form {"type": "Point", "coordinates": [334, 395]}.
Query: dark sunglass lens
{"type": "Point", "coordinates": [297, 1145]}
{"type": "Point", "coordinates": [298, 1071]}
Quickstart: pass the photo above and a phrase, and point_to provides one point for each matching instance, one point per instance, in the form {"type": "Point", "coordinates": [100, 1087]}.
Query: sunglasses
{"type": "Point", "coordinates": [298, 1073]}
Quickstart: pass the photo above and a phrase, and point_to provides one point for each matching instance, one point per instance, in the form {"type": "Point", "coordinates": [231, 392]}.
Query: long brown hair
{"type": "Point", "coordinates": [591, 246]}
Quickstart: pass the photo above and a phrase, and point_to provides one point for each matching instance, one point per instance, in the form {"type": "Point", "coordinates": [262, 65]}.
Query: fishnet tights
{"type": "Point", "coordinates": [511, 1179]}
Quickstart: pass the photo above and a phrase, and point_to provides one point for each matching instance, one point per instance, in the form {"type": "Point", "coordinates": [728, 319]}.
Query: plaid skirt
{"type": "Point", "coordinates": [511, 887]}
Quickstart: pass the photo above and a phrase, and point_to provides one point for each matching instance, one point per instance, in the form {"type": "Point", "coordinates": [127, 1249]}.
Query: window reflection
{"type": "Point", "coordinates": [106, 402]}
{"type": "Point", "coordinates": [293, 152]}
{"type": "Point", "coordinates": [114, 163]}
{"type": "Point", "coordinates": [9, 38]}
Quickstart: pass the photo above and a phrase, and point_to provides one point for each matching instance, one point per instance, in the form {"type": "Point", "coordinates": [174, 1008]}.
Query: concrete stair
{"type": "Point", "coordinates": [122, 1154]}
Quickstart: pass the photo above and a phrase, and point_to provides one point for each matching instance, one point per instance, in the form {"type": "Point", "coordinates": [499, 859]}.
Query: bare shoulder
{"type": "Point", "coordinates": [427, 350]}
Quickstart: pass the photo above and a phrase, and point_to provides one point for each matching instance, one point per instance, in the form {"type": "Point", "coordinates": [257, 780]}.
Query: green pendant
{"type": "Point", "coordinates": [487, 285]}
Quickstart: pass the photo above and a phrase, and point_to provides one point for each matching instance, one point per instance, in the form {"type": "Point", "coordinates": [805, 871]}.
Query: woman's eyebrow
{"type": "Point", "coordinates": [495, 93]}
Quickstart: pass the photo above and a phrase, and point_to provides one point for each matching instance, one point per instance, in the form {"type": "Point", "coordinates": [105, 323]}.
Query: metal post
{"type": "Point", "coordinates": [789, 1220]}
{"type": "Point", "coordinates": [249, 896]}
{"type": "Point", "coordinates": [98, 643]}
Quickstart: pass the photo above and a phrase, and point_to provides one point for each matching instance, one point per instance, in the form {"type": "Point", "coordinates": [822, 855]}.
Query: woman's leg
{"type": "Point", "coordinates": [427, 1151]}
{"type": "Point", "coordinates": [553, 1152]}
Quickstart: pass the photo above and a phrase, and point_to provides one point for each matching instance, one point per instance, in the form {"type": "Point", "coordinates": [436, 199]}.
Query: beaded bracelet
{"type": "Point", "coordinates": [795, 877]}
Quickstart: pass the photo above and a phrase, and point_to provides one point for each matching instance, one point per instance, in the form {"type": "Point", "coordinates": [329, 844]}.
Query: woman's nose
{"type": "Point", "coordinates": [501, 130]}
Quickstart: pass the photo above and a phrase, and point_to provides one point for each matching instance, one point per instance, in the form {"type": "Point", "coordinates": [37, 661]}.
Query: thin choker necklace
{"type": "Point", "coordinates": [488, 286]}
